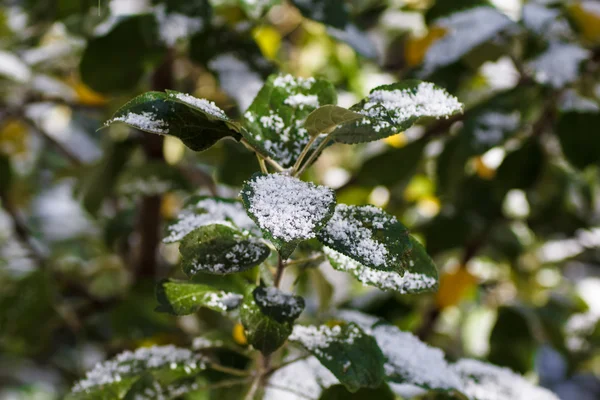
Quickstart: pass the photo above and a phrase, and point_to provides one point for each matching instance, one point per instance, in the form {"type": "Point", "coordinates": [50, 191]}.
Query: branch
{"type": "Point", "coordinates": [280, 267]}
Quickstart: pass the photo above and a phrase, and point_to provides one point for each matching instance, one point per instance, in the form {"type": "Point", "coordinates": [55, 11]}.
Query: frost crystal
{"type": "Point", "coordinates": [208, 107]}
{"type": "Point", "coordinates": [354, 233]}
{"type": "Point", "coordinates": [288, 208]}
{"type": "Point", "coordinates": [465, 30]}
{"type": "Point", "coordinates": [206, 212]}
{"type": "Point", "coordinates": [402, 104]}
{"type": "Point", "coordinates": [316, 339]}
{"type": "Point", "coordinates": [411, 282]}
{"type": "Point", "coordinates": [559, 64]}
{"type": "Point", "coordinates": [482, 381]}
{"type": "Point", "coordinates": [145, 120]}
{"type": "Point", "coordinates": [136, 362]}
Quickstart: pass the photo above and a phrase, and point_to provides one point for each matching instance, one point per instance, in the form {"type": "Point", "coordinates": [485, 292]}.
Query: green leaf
{"type": "Point", "coordinates": [368, 235]}
{"type": "Point", "coordinates": [422, 275]}
{"type": "Point", "coordinates": [347, 351]}
{"type": "Point", "coordinates": [197, 122]}
{"type": "Point", "coordinates": [579, 138]}
{"type": "Point", "coordinates": [220, 249]}
{"type": "Point", "coordinates": [182, 298]}
{"type": "Point", "coordinates": [339, 392]}
{"type": "Point", "coordinates": [278, 305]}
{"type": "Point", "coordinates": [521, 168]}
{"type": "Point", "coordinates": [118, 60]}
{"type": "Point", "coordinates": [391, 109]}
{"type": "Point", "coordinates": [287, 209]}
{"type": "Point", "coordinates": [264, 333]}
{"type": "Point", "coordinates": [393, 166]}
{"type": "Point", "coordinates": [332, 12]}
{"type": "Point", "coordinates": [204, 210]}
{"type": "Point", "coordinates": [408, 360]}
{"type": "Point", "coordinates": [146, 386]}
{"type": "Point", "coordinates": [325, 119]}
{"type": "Point", "coordinates": [112, 379]}
{"type": "Point", "coordinates": [276, 117]}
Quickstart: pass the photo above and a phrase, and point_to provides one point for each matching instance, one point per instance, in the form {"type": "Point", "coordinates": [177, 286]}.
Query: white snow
{"type": "Point", "coordinates": [206, 106]}
{"type": "Point", "coordinates": [301, 380]}
{"type": "Point", "coordinates": [426, 100]}
{"type": "Point", "coordinates": [289, 82]}
{"type": "Point", "coordinates": [175, 26]}
{"type": "Point", "coordinates": [238, 258]}
{"type": "Point", "coordinates": [206, 212]}
{"type": "Point", "coordinates": [559, 64]}
{"type": "Point", "coordinates": [411, 282]}
{"type": "Point", "coordinates": [145, 121]}
{"type": "Point", "coordinates": [317, 339]}
{"type": "Point", "coordinates": [493, 125]}
{"type": "Point", "coordinates": [483, 381]}
{"type": "Point", "coordinates": [12, 67]}
{"type": "Point", "coordinates": [288, 208]}
{"type": "Point", "coordinates": [273, 297]}
{"type": "Point", "coordinates": [465, 30]}
{"type": "Point", "coordinates": [300, 101]}
{"type": "Point", "coordinates": [138, 361]}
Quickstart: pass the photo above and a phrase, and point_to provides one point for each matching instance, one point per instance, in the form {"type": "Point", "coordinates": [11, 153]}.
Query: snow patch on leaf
{"type": "Point", "coordinates": [559, 64]}
{"type": "Point", "coordinates": [145, 121]}
{"type": "Point", "coordinates": [206, 106]}
{"type": "Point", "coordinates": [317, 339]}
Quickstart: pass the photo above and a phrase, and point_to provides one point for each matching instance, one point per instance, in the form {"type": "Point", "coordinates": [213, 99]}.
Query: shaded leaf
{"type": "Point", "coordinates": [220, 249]}
{"type": "Point", "coordinates": [287, 209]}
{"type": "Point", "coordinates": [278, 305]}
{"type": "Point", "coordinates": [197, 122]}
{"type": "Point", "coordinates": [339, 392]}
{"type": "Point", "coordinates": [368, 235]}
{"type": "Point", "coordinates": [333, 13]}
{"type": "Point", "coordinates": [579, 138]}
{"type": "Point", "coordinates": [183, 297]}
{"type": "Point", "coordinates": [347, 351]}
{"type": "Point", "coordinates": [325, 119]}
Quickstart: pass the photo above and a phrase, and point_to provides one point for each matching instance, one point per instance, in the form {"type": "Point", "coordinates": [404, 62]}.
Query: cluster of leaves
{"type": "Point", "coordinates": [502, 193]}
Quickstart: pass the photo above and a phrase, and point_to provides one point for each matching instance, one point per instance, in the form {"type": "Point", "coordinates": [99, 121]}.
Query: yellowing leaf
{"type": "Point", "coordinates": [85, 95]}
{"type": "Point", "coordinates": [173, 150]}
{"type": "Point", "coordinates": [238, 334]}
{"type": "Point", "coordinates": [587, 21]}
{"type": "Point", "coordinates": [13, 137]}
{"type": "Point", "coordinates": [484, 171]}
{"type": "Point", "coordinates": [170, 205]}
{"type": "Point", "coordinates": [268, 40]}
{"type": "Point", "coordinates": [416, 48]}
{"type": "Point", "coordinates": [454, 286]}
{"type": "Point", "coordinates": [397, 141]}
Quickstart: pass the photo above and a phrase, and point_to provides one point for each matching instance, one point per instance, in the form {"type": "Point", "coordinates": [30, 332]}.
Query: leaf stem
{"type": "Point", "coordinates": [303, 154]}
{"type": "Point", "coordinates": [313, 156]}
{"type": "Point", "coordinates": [261, 162]}
{"type": "Point", "coordinates": [268, 159]}
{"type": "Point", "coordinates": [228, 370]}
{"type": "Point", "coordinates": [280, 267]}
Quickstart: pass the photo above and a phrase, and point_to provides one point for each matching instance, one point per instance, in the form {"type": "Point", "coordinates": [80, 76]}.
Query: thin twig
{"type": "Point", "coordinates": [268, 159]}
{"type": "Point", "coordinates": [313, 156]}
{"type": "Point", "coordinates": [229, 370]}
{"type": "Point", "coordinates": [303, 154]}
{"type": "Point", "coordinates": [286, 363]}
{"type": "Point", "coordinates": [261, 162]}
{"type": "Point", "coordinates": [225, 383]}
{"type": "Point", "coordinates": [280, 267]}
{"type": "Point", "coordinates": [304, 260]}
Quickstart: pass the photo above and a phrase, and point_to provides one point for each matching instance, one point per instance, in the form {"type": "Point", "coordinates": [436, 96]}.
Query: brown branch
{"type": "Point", "coordinates": [279, 274]}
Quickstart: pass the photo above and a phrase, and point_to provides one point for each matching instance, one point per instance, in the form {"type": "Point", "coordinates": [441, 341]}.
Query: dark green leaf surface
{"type": "Point", "coordinates": [264, 333]}
{"type": "Point", "coordinates": [368, 235]}
{"type": "Point", "coordinates": [278, 305]}
{"type": "Point", "coordinates": [579, 137]}
{"type": "Point", "coordinates": [339, 392]}
{"type": "Point", "coordinates": [220, 249]}
{"type": "Point", "coordinates": [333, 12]}
{"type": "Point", "coordinates": [325, 119]}
{"type": "Point", "coordinates": [347, 351]}
{"type": "Point", "coordinates": [117, 61]}
{"type": "Point", "coordinates": [276, 117]}
{"type": "Point", "coordinates": [197, 122]}
{"type": "Point", "coordinates": [287, 209]}
{"type": "Point", "coordinates": [182, 297]}
{"type": "Point", "coordinates": [421, 276]}
{"type": "Point", "coordinates": [391, 109]}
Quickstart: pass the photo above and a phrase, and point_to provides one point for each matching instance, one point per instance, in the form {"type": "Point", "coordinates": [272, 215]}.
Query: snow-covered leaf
{"type": "Point", "coordinates": [184, 297]}
{"type": "Point", "coordinates": [483, 381]}
{"type": "Point", "coordinates": [325, 119]}
{"type": "Point", "coordinates": [408, 359]}
{"type": "Point", "coordinates": [112, 379]}
{"type": "Point", "coordinates": [368, 235]}
{"type": "Point", "coordinates": [265, 333]}
{"type": "Point", "coordinates": [202, 210]}
{"type": "Point", "coordinates": [278, 305]}
{"type": "Point", "coordinates": [275, 119]}
{"type": "Point", "coordinates": [199, 123]}
{"type": "Point", "coordinates": [300, 380]}
{"type": "Point", "coordinates": [220, 249]}
{"type": "Point", "coordinates": [391, 109]}
{"type": "Point", "coordinates": [287, 209]}
{"type": "Point", "coordinates": [421, 275]}
{"type": "Point", "coordinates": [465, 30]}
{"type": "Point", "coordinates": [346, 350]}
{"type": "Point", "coordinates": [559, 64]}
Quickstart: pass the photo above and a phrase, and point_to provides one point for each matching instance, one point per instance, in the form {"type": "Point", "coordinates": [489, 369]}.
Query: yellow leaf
{"type": "Point", "coordinates": [238, 334]}
{"type": "Point", "coordinates": [416, 48]}
{"type": "Point", "coordinates": [268, 40]}
{"type": "Point", "coordinates": [483, 171]}
{"type": "Point", "coordinates": [85, 95]}
{"type": "Point", "coordinates": [13, 137]}
{"type": "Point", "coordinates": [170, 205]}
{"type": "Point", "coordinates": [587, 20]}
{"type": "Point", "coordinates": [454, 286]}
{"type": "Point", "coordinates": [397, 141]}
